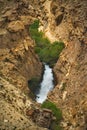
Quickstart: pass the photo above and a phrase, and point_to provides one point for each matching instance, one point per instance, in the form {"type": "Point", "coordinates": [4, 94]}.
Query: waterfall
{"type": "Point", "coordinates": [46, 85]}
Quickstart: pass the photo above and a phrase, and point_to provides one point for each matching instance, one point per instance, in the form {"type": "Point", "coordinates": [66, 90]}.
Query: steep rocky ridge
{"type": "Point", "coordinates": [63, 20]}
{"type": "Point", "coordinates": [69, 20]}
{"type": "Point", "coordinates": [70, 93]}
{"type": "Point", "coordinates": [18, 64]}
{"type": "Point", "coordinates": [69, 24]}
{"type": "Point", "coordinates": [13, 106]}
{"type": "Point", "coordinates": [16, 47]}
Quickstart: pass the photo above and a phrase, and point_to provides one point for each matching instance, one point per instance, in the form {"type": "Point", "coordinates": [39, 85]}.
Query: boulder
{"type": "Point", "coordinates": [42, 117]}
{"type": "Point", "coordinates": [15, 26]}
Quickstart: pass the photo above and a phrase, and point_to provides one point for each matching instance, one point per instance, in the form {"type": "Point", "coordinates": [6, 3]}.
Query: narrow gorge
{"type": "Point", "coordinates": [43, 65]}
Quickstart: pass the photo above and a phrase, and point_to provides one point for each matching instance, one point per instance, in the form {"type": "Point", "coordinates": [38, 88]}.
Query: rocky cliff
{"type": "Point", "coordinates": [69, 24]}
{"type": "Point", "coordinates": [18, 60]}
{"type": "Point", "coordinates": [63, 20]}
{"type": "Point", "coordinates": [18, 64]}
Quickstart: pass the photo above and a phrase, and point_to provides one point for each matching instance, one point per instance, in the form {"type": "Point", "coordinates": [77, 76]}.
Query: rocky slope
{"type": "Point", "coordinates": [18, 60]}
{"type": "Point", "coordinates": [69, 24]}
{"type": "Point", "coordinates": [18, 64]}
{"type": "Point", "coordinates": [64, 20]}
{"type": "Point", "coordinates": [68, 20]}
{"type": "Point", "coordinates": [13, 107]}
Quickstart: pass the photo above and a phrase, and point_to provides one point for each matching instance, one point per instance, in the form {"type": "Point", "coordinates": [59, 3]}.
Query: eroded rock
{"type": "Point", "coordinates": [42, 117]}
{"type": "Point", "coordinates": [15, 26]}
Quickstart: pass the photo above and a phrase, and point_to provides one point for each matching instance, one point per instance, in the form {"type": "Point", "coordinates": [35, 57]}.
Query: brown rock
{"type": "Point", "coordinates": [7, 13]}
{"type": "Point", "coordinates": [30, 112]}
{"type": "Point", "coordinates": [27, 20]}
{"type": "Point", "coordinates": [15, 26]}
{"type": "Point", "coordinates": [1, 21]}
{"type": "Point", "coordinates": [1, 1]}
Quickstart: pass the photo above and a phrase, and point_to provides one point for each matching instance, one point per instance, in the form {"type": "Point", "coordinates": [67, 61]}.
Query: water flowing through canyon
{"type": "Point", "coordinates": [46, 85]}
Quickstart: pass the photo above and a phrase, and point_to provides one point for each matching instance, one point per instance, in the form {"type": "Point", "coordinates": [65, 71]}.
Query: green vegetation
{"type": "Point", "coordinates": [51, 53]}
{"type": "Point", "coordinates": [47, 52]}
{"type": "Point", "coordinates": [56, 111]}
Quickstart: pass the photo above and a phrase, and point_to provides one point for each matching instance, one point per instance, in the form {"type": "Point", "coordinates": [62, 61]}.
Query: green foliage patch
{"type": "Point", "coordinates": [47, 52]}
{"type": "Point", "coordinates": [50, 54]}
{"type": "Point", "coordinates": [56, 111]}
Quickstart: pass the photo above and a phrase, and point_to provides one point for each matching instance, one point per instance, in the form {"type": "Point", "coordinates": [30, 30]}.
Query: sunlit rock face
{"type": "Point", "coordinates": [63, 20]}
{"type": "Point", "coordinates": [18, 64]}
{"type": "Point", "coordinates": [68, 20]}
{"type": "Point", "coordinates": [70, 94]}
{"type": "Point", "coordinates": [18, 60]}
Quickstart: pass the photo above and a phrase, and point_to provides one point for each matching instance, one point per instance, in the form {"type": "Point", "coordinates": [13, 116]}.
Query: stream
{"type": "Point", "coordinates": [46, 85]}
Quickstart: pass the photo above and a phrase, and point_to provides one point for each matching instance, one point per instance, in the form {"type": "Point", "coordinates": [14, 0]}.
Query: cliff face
{"type": "Point", "coordinates": [13, 108]}
{"type": "Point", "coordinates": [69, 24]}
{"type": "Point", "coordinates": [60, 20]}
{"type": "Point", "coordinates": [18, 61]}
{"type": "Point", "coordinates": [69, 20]}
{"type": "Point", "coordinates": [18, 64]}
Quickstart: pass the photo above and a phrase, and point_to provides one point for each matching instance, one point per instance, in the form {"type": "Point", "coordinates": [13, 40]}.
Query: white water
{"type": "Point", "coordinates": [46, 85]}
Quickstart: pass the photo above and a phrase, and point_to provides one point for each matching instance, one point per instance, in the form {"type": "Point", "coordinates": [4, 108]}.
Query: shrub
{"type": "Point", "coordinates": [50, 54]}
{"type": "Point", "coordinates": [46, 51]}
{"type": "Point", "coordinates": [39, 38]}
{"type": "Point", "coordinates": [56, 111]}
{"type": "Point", "coordinates": [35, 25]}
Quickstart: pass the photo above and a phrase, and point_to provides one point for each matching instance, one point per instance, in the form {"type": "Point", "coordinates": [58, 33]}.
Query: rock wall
{"type": "Point", "coordinates": [69, 24]}
{"type": "Point", "coordinates": [63, 20]}
{"type": "Point", "coordinates": [13, 107]}
{"type": "Point", "coordinates": [18, 64]}
{"type": "Point", "coordinates": [69, 20]}
{"type": "Point", "coordinates": [70, 93]}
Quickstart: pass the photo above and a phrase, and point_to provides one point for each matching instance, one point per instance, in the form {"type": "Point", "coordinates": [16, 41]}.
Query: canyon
{"type": "Point", "coordinates": [60, 20]}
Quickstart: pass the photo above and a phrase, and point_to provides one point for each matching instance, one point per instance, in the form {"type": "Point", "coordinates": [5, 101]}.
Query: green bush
{"type": "Point", "coordinates": [39, 38]}
{"type": "Point", "coordinates": [35, 25]}
{"type": "Point", "coordinates": [47, 52]}
{"type": "Point", "coordinates": [50, 54]}
{"type": "Point", "coordinates": [55, 125]}
{"type": "Point", "coordinates": [56, 111]}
